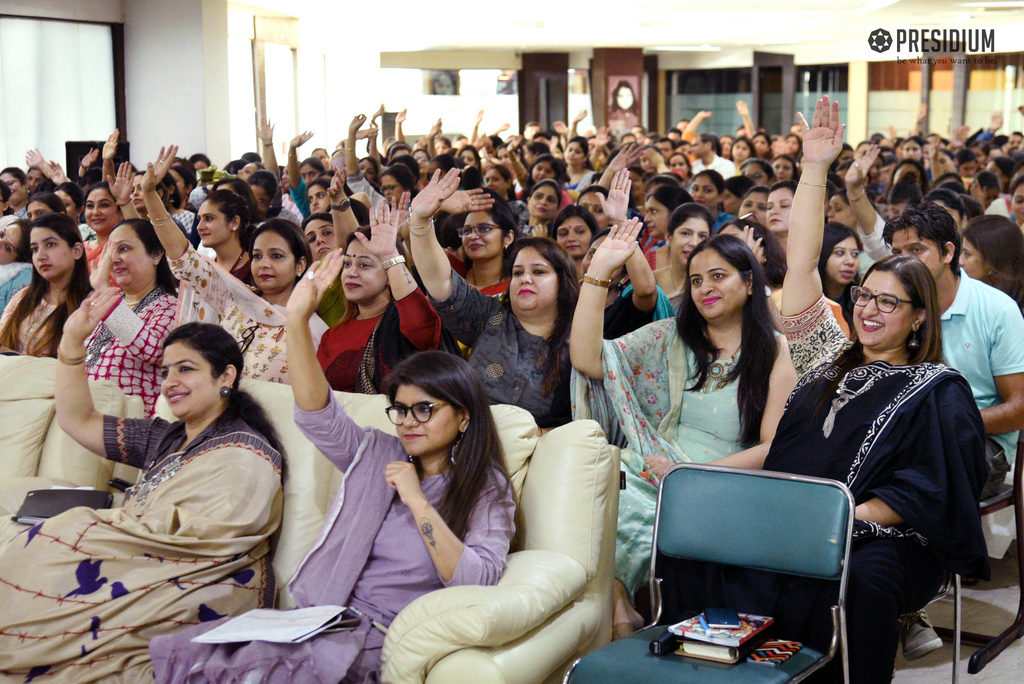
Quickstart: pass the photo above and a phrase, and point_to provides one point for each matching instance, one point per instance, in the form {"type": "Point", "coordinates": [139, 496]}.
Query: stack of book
{"type": "Point", "coordinates": [699, 638]}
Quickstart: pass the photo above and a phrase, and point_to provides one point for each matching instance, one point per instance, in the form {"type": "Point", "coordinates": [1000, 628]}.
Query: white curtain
{"type": "Point", "coordinates": [56, 85]}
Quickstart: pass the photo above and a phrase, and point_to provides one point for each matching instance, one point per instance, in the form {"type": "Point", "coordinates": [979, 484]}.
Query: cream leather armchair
{"type": "Point", "coordinates": [554, 602]}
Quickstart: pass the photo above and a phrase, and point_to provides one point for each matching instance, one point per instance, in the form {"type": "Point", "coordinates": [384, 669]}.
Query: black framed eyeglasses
{"type": "Point", "coordinates": [248, 335]}
{"type": "Point", "coordinates": [421, 411]}
{"type": "Point", "coordinates": [481, 229]}
{"type": "Point", "coordinates": [886, 303]}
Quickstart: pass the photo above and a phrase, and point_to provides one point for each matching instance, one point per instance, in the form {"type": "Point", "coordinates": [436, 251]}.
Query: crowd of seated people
{"type": "Point", "coordinates": [754, 300]}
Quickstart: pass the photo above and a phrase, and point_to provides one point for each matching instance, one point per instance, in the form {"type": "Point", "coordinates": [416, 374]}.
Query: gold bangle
{"type": "Point", "coordinates": [70, 362]}
{"type": "Point", "coordinates": [594, 281]}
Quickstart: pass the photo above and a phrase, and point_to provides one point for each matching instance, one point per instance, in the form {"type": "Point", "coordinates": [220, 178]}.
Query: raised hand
{"type": "Point", "coordinates": [377, 114]}
{"type": "Point", "coordinates": [110, 147]}
{"type": "Point", "coordinates": [614, 252]}
{"type": "Point", "coordinates": [702, 115]}
{"type": "Point", "coordinates": [124, 183]}
{"type": "Point", "coordinates": [57, 173]}
{"type": "Point", "coordinates": [310, 289]}
{"type": "Point", "coordinates": [96, 307]}
{"type": "Point", "coordinates": [370, 132]}
{"type": "Point", "coordinates": [922, 112]}
{"type": "Point", "coordinates": [627, 156]}
{"type": "Point", "coordinates": [531, 131]}
{"type": "Point", "coordinates": [617, 202]}
{"type": "Point", "coordinates": [383, 240]}
{"type": "Point", "coordinates": [99, 278]}
{"type": "Point", "coordinates": [560, 128]}
{"type": "Point", "coordinates": [857, 174]}
{"type": "Point", "coordinates": [466, 201]}
{"type": "Point", "coordinates": [337, 190]}
{"type": "Point", "coordinates": [34, 160]}
{"type": "Point", "coordinates": [435, 130]}
{"type": "Point", "coordinates": [742, 108]}
{"type": "Point", "coordinates": [601, 139]}
{"type": "Point", "coordinates": [301, 139]}
{"type": "Point", "coordinates": [580, 116]}
{"type": "Point", "coordinates": [502, 128]}
{"type": "Point", "coordinates": [401, 117]}
{"type": "Point", "coordinates": [89, 159]}
{"type": "Point", "coordinates": [823, 139]}
{"type": "Point", "coordinates": [164, 161]}
{"type": "Point", "coordinates": [400, 209]}
{"type": "Point", "coordinates": [479, 117]}
{"type": "Point", "coordinates": [754, 243]}
{"type": "Point", "coordinates": [429, 199]}
{"type": "Point", "coordinates": [149, 179]}
{"type": "Point", "coordinates": [265, 132]}
{"type": "Point", "coordinates": [997, 122]}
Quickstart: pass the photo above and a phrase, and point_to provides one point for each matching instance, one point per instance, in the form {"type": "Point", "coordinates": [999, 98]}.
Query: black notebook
{"type": "Point", "coordinates": [41, 504]}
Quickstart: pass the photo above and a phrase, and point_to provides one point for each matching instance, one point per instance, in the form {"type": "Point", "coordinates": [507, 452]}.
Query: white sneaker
{"type": "Point", "coordinates": [917, 635]}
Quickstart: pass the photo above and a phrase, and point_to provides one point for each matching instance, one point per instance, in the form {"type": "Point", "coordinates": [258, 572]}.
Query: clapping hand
{"type": "Point", "coordinates": [429, 199]}
{"type": "Point", "coordinates": [96, 307]}
{"type": "Point", "coordinates": [857, 174]}
{"type": "Point", "coordinates": [823, 139]}
{"type": "Point", "coordinates": [614, 252]}
{"type": "Point", "coordinates": [310, 289]}
{"type": "Point", "coordinates": [617, 202]}
{"type": "Point", "coordinates": [383, 240]}
{"type": "Point", "coordinates": [99, 278]}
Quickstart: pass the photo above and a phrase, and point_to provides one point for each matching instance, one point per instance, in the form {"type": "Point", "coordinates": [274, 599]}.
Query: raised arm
{"type": "Point", "coordinates": [822, 142]}
{"type": "Point", "coordinates": [383, 244]}
{"type": "Point", "coordinates": [309, 385]}
{"type": "Point", "coordinates": [434, 268]}
{"type": "Point", "coordinates": [121, 188]}
{"type": "Point", "coordinates": [351, 158]}
{"type": "Point", "coordinates": [109, 152]}
{"type": "Point", "coordinates": [76, 414]}
{"type": "Point", "coordinates": [399, 120]}
{"type": "Point", "coordinates": [174, 241]}
{"type": "Point", "coordinates": [627, 156]}
{"type": "Point", "coordinates": [856, 184]}
{"type": "Point", "coordinates": [265, 132]}
{"type": "Point", "coordinates": [574, 129]}
{"type": "Point", "coordinates": [586, 340]}
{"type": "Point", "coordinates": [294, 176]}
{"type": "Point", "coordinates": [476, 127]}
{"type": "Point", "coordinates": [342, 216]}
{"type": "Point", "coordinates": [641, 277]}
{"type": "Point", "coordinates": [748, 123]}
{"type": "Point", "coordinates": [695, 122]}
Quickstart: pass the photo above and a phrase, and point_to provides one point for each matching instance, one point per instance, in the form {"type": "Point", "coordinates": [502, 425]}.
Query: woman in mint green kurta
{"type": "Point", "coordinates": [680, 390]}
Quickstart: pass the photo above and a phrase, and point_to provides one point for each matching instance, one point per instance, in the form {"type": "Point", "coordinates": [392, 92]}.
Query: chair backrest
{"type": "Point", "coordinates": [756, 519]}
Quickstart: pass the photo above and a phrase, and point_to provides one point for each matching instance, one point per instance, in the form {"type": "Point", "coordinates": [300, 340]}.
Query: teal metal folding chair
{"type": "Point", "coordinates": [815, 517]}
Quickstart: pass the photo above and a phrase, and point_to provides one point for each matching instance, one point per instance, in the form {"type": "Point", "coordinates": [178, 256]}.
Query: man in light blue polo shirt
{"type": "Point", "coordinates": [982, 337]}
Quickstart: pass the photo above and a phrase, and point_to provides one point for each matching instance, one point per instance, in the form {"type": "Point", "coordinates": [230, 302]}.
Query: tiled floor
{"type": "Point", "coordinates": [988, 607]}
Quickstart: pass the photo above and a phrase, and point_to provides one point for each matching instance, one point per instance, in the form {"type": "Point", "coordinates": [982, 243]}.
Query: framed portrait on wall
{"type": "Point", "coordinates": [623, 106]}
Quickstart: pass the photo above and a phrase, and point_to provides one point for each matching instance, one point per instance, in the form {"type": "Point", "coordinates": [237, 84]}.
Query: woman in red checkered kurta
{"type": "Point", "coordinates": [128, 345]}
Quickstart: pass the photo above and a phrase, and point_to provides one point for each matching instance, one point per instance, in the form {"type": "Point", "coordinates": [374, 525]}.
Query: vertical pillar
{"type": "Point", "coordinates": [857, 102]}
{"type": "Point", "coordinates": [614, 72]}
{"type": "Point", "coordinates": [544, 88]}
{"type": "Point", "coordinates": [768, 70]}
{"type": "Point", "coordinates": [961, 81]}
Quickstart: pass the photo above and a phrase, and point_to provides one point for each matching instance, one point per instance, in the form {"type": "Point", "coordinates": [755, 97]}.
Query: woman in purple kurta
{"type": "Point", "coordinates": [451, 522]}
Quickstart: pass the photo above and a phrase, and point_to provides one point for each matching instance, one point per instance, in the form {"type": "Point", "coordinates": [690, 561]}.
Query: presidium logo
{"type": "Point", "coordinates": [934, 40]}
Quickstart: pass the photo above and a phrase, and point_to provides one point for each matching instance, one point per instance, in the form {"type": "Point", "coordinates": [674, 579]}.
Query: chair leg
{"type": "Point", "coordinates": [956, 628]}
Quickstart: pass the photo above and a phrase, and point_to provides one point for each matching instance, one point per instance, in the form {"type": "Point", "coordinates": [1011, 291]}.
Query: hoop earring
{"type": "Point", "coordinates": [225, 391]}
{"type": "Point", "coordinates": [455, 448]}
{"type": "Point", "coordinates": [913, 343]}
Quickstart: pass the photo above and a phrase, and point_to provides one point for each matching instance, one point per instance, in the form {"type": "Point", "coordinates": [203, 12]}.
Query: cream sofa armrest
{"type": "Point", "coordinates": [536, 584]}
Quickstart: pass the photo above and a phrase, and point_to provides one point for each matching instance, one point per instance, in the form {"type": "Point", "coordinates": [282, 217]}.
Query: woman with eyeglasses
{"type": "Point", "coordinates": [429, 508]}
{"type": "Point", "coordinates": [486, 238]}
{"type": "Point", "coordinates": [388, 317]}
{"type": "Point", "coordinates": [278, 256]}
{"type": "Point", "coordinates": [881, 414]}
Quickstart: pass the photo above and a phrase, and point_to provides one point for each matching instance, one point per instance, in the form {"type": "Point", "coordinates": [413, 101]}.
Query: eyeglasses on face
{"type": "Point", "coordinates": [421, 411]}
{"type": "Point", "coordinates": [480, 229]}
{"type": "Point", "coordinates": [886, 303]}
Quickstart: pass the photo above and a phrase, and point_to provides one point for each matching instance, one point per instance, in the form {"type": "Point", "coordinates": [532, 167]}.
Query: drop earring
{"type": "Point", "coordinates": [913, 343]}
{"type": "Point", "coordinates": [455, 448]}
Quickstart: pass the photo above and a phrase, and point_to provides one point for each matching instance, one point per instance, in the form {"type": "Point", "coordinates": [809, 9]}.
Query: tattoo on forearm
{"type": "Point", "coordinates": [428, 532]}
{"type": "Point", "coordinates": [408, 276]}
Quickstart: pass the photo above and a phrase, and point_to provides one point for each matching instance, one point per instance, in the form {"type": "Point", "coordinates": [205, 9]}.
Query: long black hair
{"type": "Point", "coordinates": [758, 347]}
{"type": "Point", "coordinates": [221, 350]}
{"type": "Point", "coordinates": [479, 462]}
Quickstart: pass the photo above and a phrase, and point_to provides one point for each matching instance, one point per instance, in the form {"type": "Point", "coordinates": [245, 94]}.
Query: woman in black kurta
{"type": "Point", "coordinates": [881, 414]}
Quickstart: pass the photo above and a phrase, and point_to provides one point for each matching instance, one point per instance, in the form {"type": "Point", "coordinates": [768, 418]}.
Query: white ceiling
{"type": "Point", "coordinates": [814, 30]}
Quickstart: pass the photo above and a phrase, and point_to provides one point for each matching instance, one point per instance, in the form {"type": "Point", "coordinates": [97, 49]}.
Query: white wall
{"type": "Point", "coordinates": [176, 84]}
{"type": "Point", "coordinates": [106, 11]}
